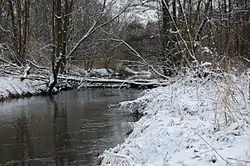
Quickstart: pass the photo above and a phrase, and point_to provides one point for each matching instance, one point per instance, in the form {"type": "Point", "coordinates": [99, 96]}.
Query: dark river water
{"type": "Point", "coordinates": [71, 129]}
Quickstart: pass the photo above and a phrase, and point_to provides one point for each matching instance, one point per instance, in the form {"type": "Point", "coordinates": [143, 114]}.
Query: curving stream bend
{"type": "Point", "coordinates": [71, 129]}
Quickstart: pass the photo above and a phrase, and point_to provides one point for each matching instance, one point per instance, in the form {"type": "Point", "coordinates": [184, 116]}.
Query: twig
{"type": "Point", "coordinates": [94, 28]}
{"type": "Point", "coordinates": [212, 148]}
{"type": "Point", "coordinates": [140, 57]}
{"type": "Point", "coordinates": [245, 161]}
{"type": "Point", "coordinates": [35, 65]}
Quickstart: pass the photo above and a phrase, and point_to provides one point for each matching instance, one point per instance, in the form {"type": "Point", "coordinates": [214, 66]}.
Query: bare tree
{"type": "Point", "coordinates": [19, 17]}
{"type": "Point", "coordinates": [60, 33]}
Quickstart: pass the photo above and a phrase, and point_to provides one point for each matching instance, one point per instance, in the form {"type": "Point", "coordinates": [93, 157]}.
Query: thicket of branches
{"type": "Point", "coordinates": [205, 30]}
{"type": "Point", "coordinates": [66, 33]}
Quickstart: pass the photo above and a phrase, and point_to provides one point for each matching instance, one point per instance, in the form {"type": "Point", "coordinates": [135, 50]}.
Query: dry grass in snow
{"type": "Point", "coordinates": [192, 122]}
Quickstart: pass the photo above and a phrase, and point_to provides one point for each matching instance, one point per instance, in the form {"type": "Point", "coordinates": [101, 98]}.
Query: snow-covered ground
{"type": "Point", "coordinates": [189, 123]}
{"type": "Point", "coordinates": [13, 86]}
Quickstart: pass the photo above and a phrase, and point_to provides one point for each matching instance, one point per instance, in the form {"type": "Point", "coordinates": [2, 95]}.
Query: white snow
{"type": "Point", "coordinates": [14, 86]}
{"type": "Point", "coordinates": [196, 123]}
{"type": "Point", "coordinates": [103, 72]}
{"type": "Point", "coordinates": [142, 72]}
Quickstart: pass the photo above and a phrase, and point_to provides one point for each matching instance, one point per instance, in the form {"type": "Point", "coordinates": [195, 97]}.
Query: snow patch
{"type": "Point", "coordinates": [14, 86]}
{"type": "Point", "coordinates": [102, 72]}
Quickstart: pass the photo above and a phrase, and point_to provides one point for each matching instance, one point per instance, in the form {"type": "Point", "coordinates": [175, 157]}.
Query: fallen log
{"type": "Point", "coordinates": [65, 82]}
{"type": "Point", "coordinates": [88, 82]}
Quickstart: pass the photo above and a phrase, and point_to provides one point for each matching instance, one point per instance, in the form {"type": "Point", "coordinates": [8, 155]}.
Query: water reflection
{"type": "Point", "coordinates": [23, 138]}
{"type": "Point", "coordinates": [61, 135]}
{"type": "Point", "coordinates": [69, 129]}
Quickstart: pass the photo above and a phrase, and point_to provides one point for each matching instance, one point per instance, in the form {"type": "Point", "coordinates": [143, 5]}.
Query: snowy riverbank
{"type": "Point", "coordinates": [32, 81]}
{"type": "Point", "coordinates": [13, 87]}
{"type": "Point", "coordinates": [188, 123]}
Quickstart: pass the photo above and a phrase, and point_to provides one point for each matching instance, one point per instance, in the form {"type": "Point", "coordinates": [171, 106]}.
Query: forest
{"type": "Point", "coordinates": [166, 37]}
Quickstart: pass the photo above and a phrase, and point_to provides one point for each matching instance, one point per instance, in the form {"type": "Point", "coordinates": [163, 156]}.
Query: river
{"type": "Point", "coordinates": [71, 129]}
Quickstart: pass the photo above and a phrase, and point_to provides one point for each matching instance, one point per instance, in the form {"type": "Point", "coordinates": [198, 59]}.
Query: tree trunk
{"type": "Point", "coordinates": [60, 23]}
{"type": "Point", "coordinates": [19, 15]}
